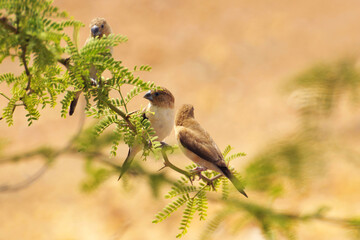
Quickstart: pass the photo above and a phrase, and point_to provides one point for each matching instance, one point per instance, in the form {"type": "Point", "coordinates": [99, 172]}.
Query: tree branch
{"type": "Point", "coordinates": [121, 114]}
{"type": "Point", "coordinates": [167, 163]}
{"type": "Point", "coordinates": [27, 71]}
{"type": "Point", "coordinates": [27, 182]}
{"type": "Point", "coordinates": [259, 211]}
{"type": "Point", "coordinates": [2, 94]}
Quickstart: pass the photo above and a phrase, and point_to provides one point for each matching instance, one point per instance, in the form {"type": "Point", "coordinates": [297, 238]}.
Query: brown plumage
{"type": "Point", "coordinates": [198, 145]}
{"type": "Point", "coordinates": [160, 112]}
{"type": "Point", "coordinates": [98, 28]}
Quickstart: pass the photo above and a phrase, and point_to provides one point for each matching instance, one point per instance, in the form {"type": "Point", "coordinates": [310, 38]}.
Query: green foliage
{"type": "Point", "coordinates": [198, 202]}
{"type": "Point", "coordinates": [273, 223]}
{"type": "Point", "coordinates": [170, 208]}
{"type": "Point", "coordinates": [301, 155]}
{"type": "Point", "coordinates": [319, 89]}
{"type": "Point", "coordinates": [31, 32]}
{"type": "Point", "coordinates": [288, 159]}
{"type": "Point", "coordinates": [214, 224]}
{"type": "Point", "coordinates": [95, 176]}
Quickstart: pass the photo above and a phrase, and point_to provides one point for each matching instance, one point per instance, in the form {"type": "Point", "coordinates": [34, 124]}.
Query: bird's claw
{"type": "Point", "coordinates": [209, 181]}
{"type": "Point", "coordinates": [198, 170]}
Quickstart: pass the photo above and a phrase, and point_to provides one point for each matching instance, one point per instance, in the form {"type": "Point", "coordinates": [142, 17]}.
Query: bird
{"type": "Point", "coordinates": [161, 114]}
{"type": "Point", "coordinates": [198, 146]}
{"type": "Point", "coordinates": [99, 27]}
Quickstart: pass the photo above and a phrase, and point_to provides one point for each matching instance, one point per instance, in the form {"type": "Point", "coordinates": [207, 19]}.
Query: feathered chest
{"type": "Point", "coordinates": [161, 119]}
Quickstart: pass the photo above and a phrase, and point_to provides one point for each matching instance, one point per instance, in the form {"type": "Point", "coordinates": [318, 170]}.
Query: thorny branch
{"type": "Point", "coordinates": [167, 163]}
{"type": "Point", "coordinates": [50, 155]}
{"type": "Point", "coordinates": [187, 174]}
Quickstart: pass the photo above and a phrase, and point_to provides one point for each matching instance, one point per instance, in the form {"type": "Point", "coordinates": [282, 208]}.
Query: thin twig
{"type": "Point", "coordinates": [27, 182]}
{"type": "Point", "coordinates": [27, 71]}
{"type": "Point", "coordinates": [120, 113]}
{"type": "Point", "coordinates": [2, 94]}
{"type": "Point", "coordinates": [297, 217]}
{"type": "Point", "coordinates": [167, 163]}
{"type": "Point", "coordinates": [122, 98]}
{"type": "Point", "coordinates": [22, 156]}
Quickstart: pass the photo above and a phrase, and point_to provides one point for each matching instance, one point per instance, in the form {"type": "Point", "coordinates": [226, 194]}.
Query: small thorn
{"type": "Point", "coordinates": [162, 168]}
{"type": "Point", "coordinates": [211, 184]}
{"type": "Point", "coordinates": [191, 181]}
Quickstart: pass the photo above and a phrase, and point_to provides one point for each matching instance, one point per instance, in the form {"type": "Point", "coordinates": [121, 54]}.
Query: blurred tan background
{"type": "Point", "coordinates": [229, 59]}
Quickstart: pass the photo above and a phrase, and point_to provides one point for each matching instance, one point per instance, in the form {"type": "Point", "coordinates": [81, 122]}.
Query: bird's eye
{"type": "Point", "coordinates": [156, 94]}
{"type": "Point", "coordinates": [102, 25]}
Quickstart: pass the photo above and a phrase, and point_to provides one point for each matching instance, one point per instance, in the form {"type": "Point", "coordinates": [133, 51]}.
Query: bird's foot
{"type": "Point", "coordinates": [198, 170]}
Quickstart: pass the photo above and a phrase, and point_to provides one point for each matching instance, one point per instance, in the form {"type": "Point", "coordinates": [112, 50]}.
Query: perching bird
{"type": "Point", "coordinates": [160, 112]}
{"type": "Point", "coordinates": [98, 28]}
{"type": "Point", "coordinates": [197, 145]}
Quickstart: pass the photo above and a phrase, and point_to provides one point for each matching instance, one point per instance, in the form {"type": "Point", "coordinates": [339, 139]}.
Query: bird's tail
{"type": "Point", "coordinates": [236, 182]}
{"type": "Point", "coordinates": [130, 157]}
{"type": "Point", "coordinates": [74, 103]}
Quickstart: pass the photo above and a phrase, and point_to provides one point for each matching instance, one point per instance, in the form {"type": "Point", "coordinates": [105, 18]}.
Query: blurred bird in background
{"type": "Point", "coordinates": [98, 28]}
{"type": "Point", "coordinates": [198, 145]}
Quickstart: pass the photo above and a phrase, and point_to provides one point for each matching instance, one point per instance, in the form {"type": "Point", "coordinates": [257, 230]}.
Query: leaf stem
{"type": "Point", "coordinates": [122, 98]}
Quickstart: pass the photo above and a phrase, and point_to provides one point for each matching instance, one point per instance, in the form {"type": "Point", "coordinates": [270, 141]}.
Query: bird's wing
{"type": "Point", "coordinates": [199, 142]}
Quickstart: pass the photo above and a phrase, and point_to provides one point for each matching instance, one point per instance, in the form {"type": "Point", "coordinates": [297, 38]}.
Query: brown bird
{"type": "Point", "coordinates": [98, 28]}
{"type": "Point", "coordinates": [198, 145]}
{"type": "Point", "coordinates": [160, 112]}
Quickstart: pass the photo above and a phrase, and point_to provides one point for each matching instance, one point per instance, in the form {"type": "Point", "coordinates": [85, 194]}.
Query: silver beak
{"type": "Point", "coordinates": [148, 96]}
